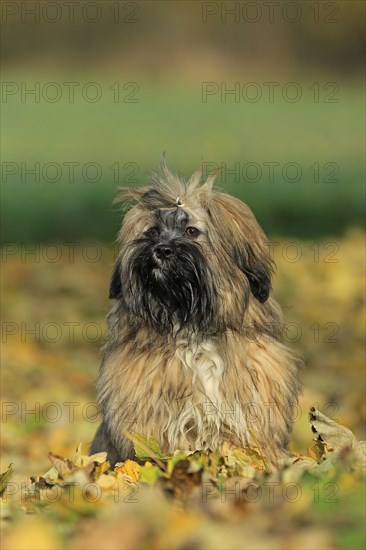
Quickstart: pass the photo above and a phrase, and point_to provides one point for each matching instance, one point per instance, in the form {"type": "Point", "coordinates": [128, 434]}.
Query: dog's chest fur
{"type": "Point", "coordinates": [180, 395]}
{"type": "Point", "coordinates": [205, 365]}
{"type": "Point", "coordinates": [199, 424]}
{"type": "Point", "coordinates": [197, 396]}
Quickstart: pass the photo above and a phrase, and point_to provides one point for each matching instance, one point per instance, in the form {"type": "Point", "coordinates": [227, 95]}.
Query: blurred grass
{"type": "Point", "coordinates": [173, 118]}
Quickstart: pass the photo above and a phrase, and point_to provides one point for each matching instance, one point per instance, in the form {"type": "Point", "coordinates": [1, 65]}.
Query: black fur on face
{"type": "Point", "coordinates": [166, 281]}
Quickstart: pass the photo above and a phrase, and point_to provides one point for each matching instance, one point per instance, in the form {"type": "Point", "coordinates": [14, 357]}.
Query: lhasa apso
{"type": "Point", "coordinates": [194, 355]}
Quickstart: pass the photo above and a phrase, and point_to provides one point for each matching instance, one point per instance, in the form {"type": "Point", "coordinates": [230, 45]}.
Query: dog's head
{"type": "Point", "coordinates": [190, 257]}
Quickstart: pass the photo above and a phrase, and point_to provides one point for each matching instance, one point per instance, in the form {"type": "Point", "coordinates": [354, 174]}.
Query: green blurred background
{"type": "Point", "coordinates": [166, 50]}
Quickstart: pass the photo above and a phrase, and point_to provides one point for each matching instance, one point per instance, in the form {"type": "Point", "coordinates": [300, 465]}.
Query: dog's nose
{"type": "Point", "coordinates": [163, 252]}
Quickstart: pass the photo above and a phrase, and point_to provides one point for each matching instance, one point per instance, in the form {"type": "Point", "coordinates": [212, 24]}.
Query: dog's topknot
{"type": "Point", "coordinates": [168, 190]}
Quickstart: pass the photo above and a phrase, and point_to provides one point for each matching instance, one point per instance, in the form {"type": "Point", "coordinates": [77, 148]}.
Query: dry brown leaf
{"type": "Point", "coordinates": [332, 438]}
{"type": "Point", "coordinates": [330, 432]}
{"type": "Point", "coordinates": [64, 466]}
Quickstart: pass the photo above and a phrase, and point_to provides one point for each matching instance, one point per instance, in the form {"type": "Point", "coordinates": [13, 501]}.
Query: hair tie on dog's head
{"type": "Point", "coordinates": [178, 203]}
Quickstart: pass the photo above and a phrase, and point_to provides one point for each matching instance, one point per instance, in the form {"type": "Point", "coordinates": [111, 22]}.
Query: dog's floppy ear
{"type": "Point", "coordinates": [115, 288]}
{"type": "Point", "coordinates": [257, 271]}
{"type": "Point", "coordinates": [243, 241]}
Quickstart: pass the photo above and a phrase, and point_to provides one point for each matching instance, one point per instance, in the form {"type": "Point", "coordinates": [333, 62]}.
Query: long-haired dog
{"type": "Point", "coordinates": [194, 355]}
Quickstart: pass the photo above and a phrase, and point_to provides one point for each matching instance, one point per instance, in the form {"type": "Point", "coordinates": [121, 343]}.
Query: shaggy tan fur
{"type": "Point", "coordinates": [235, 386]}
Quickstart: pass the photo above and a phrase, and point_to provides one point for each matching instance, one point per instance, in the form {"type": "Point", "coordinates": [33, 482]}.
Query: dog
{"type": "Point", "coordinates": [194, 354]}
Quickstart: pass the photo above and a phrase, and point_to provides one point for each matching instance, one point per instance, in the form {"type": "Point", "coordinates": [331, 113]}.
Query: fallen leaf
{"type": "Point", "coordinates": [5, 477]}
{"type": "Point", "coordinates": [147, 447]}
{"type": "Point", "coordinates": [64, 466]}
{"type": "Point", "coordinates": [330, 432]}
{"type": "Point", "coordinates": [150, 473]}
{"type": "Point", "coordinates": [129, 468]}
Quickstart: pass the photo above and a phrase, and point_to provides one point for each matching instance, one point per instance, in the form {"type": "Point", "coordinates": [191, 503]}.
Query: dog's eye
{"type": "Point", "coordinates": [153, 232]}
{"type": "Point", "coordinates": [192, 232]}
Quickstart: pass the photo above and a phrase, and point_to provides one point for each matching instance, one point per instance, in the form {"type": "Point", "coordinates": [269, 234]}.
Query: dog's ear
{"type": "Point", "coordinates": [256, 270]}
{"type": "Point", "coordinates": [115, 288]}
{"type": "Point", "coordinates": [243, 240]}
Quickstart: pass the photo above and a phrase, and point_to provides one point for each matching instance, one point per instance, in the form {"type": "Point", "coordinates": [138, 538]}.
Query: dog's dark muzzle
{"type": "Point", "coordinates": [164, 252]}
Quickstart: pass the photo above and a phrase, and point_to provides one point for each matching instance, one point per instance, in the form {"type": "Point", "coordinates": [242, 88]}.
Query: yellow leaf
{"type": "Point", "coordinates": [130, 469]}
{"type": "Point", "coordinates": [107, 482]}
{"type": "Point", "coordinates": [317, 450]}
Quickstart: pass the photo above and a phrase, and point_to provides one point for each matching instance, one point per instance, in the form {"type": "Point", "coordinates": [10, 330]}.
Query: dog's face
{"type": "Point", "coordinates": [190, 258]}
